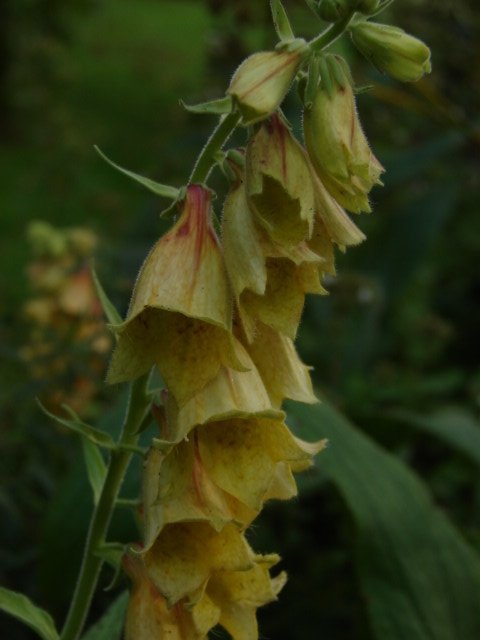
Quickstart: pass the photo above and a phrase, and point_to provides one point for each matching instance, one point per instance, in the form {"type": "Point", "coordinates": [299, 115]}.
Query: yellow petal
{"type": "Point", "coordinates": [340, 227]}
{"type": "Point", "coordinates": [186, 555]}
{"type": "Point", "coordinates": [230, 394]}
{"type": "Point", "coordinates": [242, 455]}
{"type": "Point", "coordinates": [188, 352]}
{"type": "Point", "coordinates": [283, 373]}
{"type": "Point", "coordinates": [278, 183]}
{"type": "Point", "coordinates": [281, 306]}
{"type": "Point", "coordinates": [239, 594]}
{"type": "Point", "coordinates": [244, 257]}
{"type": "Point", "coordinates": [149, 618]}
{"type": "Point", "coordinates": [178, 488]}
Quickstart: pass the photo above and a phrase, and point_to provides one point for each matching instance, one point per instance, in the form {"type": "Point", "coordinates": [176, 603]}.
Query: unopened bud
{"type": "Point", "coordinates": [392, 51]}
{"type": "Point", "coordinates": [261, 82]}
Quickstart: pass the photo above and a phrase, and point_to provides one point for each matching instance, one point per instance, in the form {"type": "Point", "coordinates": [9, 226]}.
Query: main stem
{"type": "Point", "coordinates": [138, 405]}
{"type": "Point", "coordinates": [206, 159]}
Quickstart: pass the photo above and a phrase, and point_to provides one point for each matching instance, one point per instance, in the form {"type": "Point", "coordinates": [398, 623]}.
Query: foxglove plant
{"type": "Point", "coordinates": [218, 316]}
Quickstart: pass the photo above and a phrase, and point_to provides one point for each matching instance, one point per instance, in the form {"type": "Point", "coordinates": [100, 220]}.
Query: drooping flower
{"type": "Point", "coordinates": [337, 146]}
{"type": "Point", "coordinates": [261, 82]}
{"type": "Point", "coordinates": [283, 373]}
{"type": "Point", "coordinates": [180, 314]}
{"type": "Point", "coordinates": [278, 184]}
{"type": "Point", "coordinates": [392, 51]}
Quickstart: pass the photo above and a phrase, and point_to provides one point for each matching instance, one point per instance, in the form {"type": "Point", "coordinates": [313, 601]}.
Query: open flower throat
{"type": "Point", "coordinates": [218, 318]}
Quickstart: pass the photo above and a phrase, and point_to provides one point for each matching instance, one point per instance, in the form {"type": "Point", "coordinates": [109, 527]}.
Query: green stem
{"type": "Point", "coordinates": [206, 159]}
{"type": "Point", "coordinates": [138, 406]}
{"type": "Point", "coordinates": [332, 33]}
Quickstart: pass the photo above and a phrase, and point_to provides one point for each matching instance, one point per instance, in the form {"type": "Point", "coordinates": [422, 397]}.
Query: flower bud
{"type": "Point", "coordinates": [338, 148]}
{"type": "Point", "coordinates": [392, 51]}
{"type": "Point", "coordinates": [261, 82]}
{"type": "Point", "coordinates": [279, 188]}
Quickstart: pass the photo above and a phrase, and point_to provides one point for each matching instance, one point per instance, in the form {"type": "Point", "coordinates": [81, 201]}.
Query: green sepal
{"type": "Point", "coordinates": [339, 71]}
{"type": "Point", "coordinates": [162, 190]}
{"type": "Point", "coordinates": [172, 208]}
{"type": "Point", "coordinates": [23, 609]}
{"type": "Point", "coordinates": [217, 107]}
{"type": "Point", "coordinates": [280, 21]}
{"type": "Point", "coordinates": [112, 553]}
{"type": "Point", "coordinates": [112, 315]}
{"type": "Point", "coordinates": [75, 424]}
{"type": "Point", "coordinates": [311, 85]}
{"type": "Point", "coordinates": [325, 76]}
{"type": "Point", "coordinates": [96, 467]}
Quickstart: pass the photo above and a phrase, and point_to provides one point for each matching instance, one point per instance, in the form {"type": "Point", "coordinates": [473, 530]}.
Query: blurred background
{"type": "Point", "coordinates": [395, 346]}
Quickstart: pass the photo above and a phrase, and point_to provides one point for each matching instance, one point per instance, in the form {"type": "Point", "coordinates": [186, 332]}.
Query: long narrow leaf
{"type": "Point", "coordinates": [20, 607]}
{"type": "Point", "coordinates": [281, 22]}
{"type": "Point", "coordinates": [421, 580]}
{"type": "Point", "coordinates": [451, 424]}
{"type": "Point", "coordinates": [109, 309]}
{"type": "Point", "coordinates": [75, 424]}
{"type": "Point", "coordinates": [163, 190]}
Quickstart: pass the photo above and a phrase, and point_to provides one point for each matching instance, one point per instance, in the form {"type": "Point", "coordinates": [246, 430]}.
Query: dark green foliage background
{"type": "Point", "coordinates": [395, 346]}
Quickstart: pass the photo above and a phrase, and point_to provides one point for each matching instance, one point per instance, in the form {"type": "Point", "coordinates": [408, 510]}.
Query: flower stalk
{"type": "Point", "coordinates": [218, 317]}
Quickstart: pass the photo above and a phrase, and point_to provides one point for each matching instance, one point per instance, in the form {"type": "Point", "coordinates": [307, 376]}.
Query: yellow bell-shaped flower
{"type": "Point", "coordinates": [180, 314]}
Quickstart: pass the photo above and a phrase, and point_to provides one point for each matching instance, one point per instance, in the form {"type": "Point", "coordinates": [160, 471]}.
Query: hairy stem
{"type": "Point", "coordinates": [138, 406]}
{"type": "Point", "coordinates": [332, 33]}
{"type": "Point", "coordinates": [206, 159]}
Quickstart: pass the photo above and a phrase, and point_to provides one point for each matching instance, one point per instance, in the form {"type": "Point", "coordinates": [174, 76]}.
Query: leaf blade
{"type": "Point", "coordinates": [420, 578]}
{"type": "Point", "coordinates": [22, 608]}
{"type": "Point", "coordinates": [162, 190]}
{"type": "Point", "coordinates": [78, 426]}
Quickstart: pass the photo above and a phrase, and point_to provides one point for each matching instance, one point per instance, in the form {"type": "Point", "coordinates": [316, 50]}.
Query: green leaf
{"type": "Point", "coordinates": [96, 467]}
{"type": "Point", "coordinates": [454, 425]}
{"type": "Point", "coordinates": [75, 424]}
{"type": "Point", "coordinates": [20, 607]}
{"type": "Point", "coordinates": [109, 309]}
{"type": "Point", "coordinates": [163, 190]}
{"type": "Point", "coordinates": [110, 625]}
{"type": "Point", "coordinates": [217, 107]}
{"type": "Point", "coordinates": [280, 21]}
{"type": "Point", "coordinates": [420, 579]}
